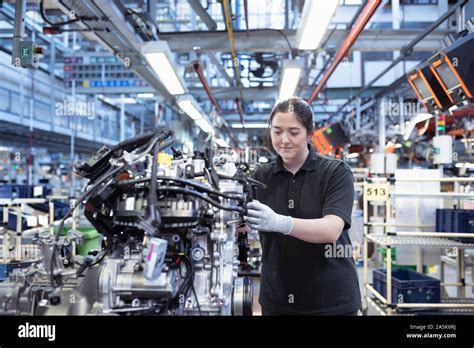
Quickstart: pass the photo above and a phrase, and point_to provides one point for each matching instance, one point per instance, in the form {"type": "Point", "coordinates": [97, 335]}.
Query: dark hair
{"type": "Point", "coordinates": [301, 108]}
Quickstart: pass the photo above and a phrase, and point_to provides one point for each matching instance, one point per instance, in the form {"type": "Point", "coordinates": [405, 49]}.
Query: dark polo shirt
{"type": "Point", "coordinates": [300, 277]}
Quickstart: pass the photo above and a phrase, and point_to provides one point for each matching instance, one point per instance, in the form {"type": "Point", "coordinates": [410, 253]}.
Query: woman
{"type": "Point", "coordinates": [303, 216]}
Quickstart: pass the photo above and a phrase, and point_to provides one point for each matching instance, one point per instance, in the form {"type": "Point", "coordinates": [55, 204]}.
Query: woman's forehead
{"type": "Point", "coordinates": [286, 120]}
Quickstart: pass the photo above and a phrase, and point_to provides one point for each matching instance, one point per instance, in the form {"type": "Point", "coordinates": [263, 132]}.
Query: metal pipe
{"type": "Point", "coordinates": [359, 25]}
{"type": "Point", "coordinates": [235, 60]}
{"type": "Point", "coordinates": [405, 51]}
{"type": "Point", "coordinates": [461, 290]}
{"type": "Point", "coordinates": [246, 13]}
{"type": "Point", "coordinates": [202, 78]}
{"type": "Point", "coordinates": [457, 284]}
{"type": "Point", "coordinates": [18, 30]}
{"type": "Point", "coordinates": [432, 234]}
{"type": "Point", "coordinates": [238, 102]}
{"type": "Point", "coordinates": [376, 293]}
{"type": "Point", "coordinates": [435, 305]}
{"type": "Point", "coordinates": [376, 306]}
{"type": "Point", "coordinates": [438, 180]}
{"type": "Point", "coordinates": [398, 225]}
{"type": "Point", "coordinates": [349, 27]}
{"type": "Point", "coordinates": [202, 13]}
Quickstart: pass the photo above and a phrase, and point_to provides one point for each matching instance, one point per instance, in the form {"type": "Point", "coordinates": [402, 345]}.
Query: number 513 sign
{"type": "Point", "coordinates": [376, 192]}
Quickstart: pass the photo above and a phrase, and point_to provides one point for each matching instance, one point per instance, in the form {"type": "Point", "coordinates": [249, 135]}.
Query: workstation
{"type": "Point", "coordinates": [236, 157]}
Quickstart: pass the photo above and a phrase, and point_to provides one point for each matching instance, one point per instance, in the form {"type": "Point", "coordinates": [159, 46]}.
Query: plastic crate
{"type": "Point", "coordinates": [22, 191]}
{"type": "Point", "coordinates": [12, 218]}
{"type": "Point", "coordinates": [408, 286]}
{"type": "Point", "coordinates": [456, 220]}
{"type": "Point", "coordinates": [463, 221]}
{"type": "Point", "coordinates": [444, 220]}
{"type": "Point", "coordinates": [16, 191]}
{"type": "Point", "coordinates": [60, 208]}
{"type": "Point", "coordinates": [7, 268]}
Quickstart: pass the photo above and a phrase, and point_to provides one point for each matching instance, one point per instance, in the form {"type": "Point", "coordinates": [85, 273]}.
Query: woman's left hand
{"type": "Point", "coordinates": [262, 218]}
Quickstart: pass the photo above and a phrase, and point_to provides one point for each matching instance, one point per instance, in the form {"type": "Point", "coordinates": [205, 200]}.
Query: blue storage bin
{"type": "Point", "coordinates": [15, 191]}
{"type": "Point", "coordinates": [444, 220]}
{"type": "Point", "coordinates": [60, 208]}
{"type": "Point", "coordinates": [7, 268]}
{"type": "Point", "coordinates": [20, 191]}
{"type": "Point", "coordinates": [12, 218]}
{"type": "Point", "coordinates": [408, 286]}
{"type": "Point", "coordinates": [463, 221]}
{"type": "Point", "coordinates": [456, 220]}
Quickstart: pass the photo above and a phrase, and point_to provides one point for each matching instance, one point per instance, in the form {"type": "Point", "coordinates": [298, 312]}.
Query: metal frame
{"type": "Point", "coordinates": [18, 234]}
{"type": "Point", "coordinates": [425, 240]}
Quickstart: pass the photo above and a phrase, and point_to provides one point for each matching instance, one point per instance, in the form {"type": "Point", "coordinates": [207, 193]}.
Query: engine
{"type": "Point", "coordinates": [169, 246]}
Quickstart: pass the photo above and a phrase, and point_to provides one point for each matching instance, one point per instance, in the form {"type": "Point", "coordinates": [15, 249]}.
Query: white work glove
{"type": "Point", "coordinates": [262, 218]}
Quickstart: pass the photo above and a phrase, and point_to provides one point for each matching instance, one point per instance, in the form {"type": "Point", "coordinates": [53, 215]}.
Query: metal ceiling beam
{"type": "Point", "coordinates": [52, 141]}
{"type": "Point", "coordinates": [270, 93]}
{"type": "Point", "coordinates": [406, 50]}
{"type": "Point", "coordinates": [202, 13]}
{"type": "Point", "coordinates": [359, 25]}
{"type": "Point", "coordinates": [268, 40]}
{"type": "Point", "coordinates": [211, 25]}
{"type": "Point", "coordinates": [221, 69]}
{"type": "Point", "coordinates": [121, 39]}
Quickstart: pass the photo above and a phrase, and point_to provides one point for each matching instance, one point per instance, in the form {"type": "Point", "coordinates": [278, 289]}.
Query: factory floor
{"type": "Point", "coordinates": [450, 277]}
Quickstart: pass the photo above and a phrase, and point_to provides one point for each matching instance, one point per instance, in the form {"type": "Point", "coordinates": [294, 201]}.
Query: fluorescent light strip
{"type": "Point", "coordinates": [126, 100]}
{"type": "Point", "coordinates": [289, 82]}
{"type": "Point", "coordinates": [205, 126]}
{"type": "Point", "coordinates": [221, 143]}
{"type": "Point", "coordinates": [316, 22]}
{"type": "Point", "coordinates": [352, 155]}
{"type": "Point", "coordinates": [145, 95]}
{"type": "Point", "coordinates": [188, 107]}
{"type": "Point", "coordinates": [165, 71]}
{"type": "Point", "coordinates": [250, 125]}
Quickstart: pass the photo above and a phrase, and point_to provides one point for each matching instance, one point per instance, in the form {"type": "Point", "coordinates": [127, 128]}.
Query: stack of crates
{"type": "Point", "coordinates": [456, 220]}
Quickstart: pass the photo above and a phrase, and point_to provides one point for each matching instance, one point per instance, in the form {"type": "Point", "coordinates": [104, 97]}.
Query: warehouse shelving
{"type": "Point", "coordinates": [378, 191]}
{"type": "Point", "coordinates": [20, 233]}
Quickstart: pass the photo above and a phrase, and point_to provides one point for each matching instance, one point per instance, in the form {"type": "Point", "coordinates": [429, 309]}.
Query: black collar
{"type": "Point", "coordinates": [308, 165]}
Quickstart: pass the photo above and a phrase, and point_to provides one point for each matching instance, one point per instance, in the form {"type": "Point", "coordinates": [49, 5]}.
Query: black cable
{"type": "Point", "coordinates": [137, 26]}
{"type": "Point", "coordinates": [194, 184]}
{"type": "Point", "coordinates": [203, 188]}
{"type": "Point", "coordinates": [256, 182]}
{"type": "Point", "coordinates": [284, 36]}
{"type": "Point", "coordinates": [193, 272]}
{"type": "Point", "coordinates": [69, 213]}
{"type": "Point", "coordinates": [87, 265]}
{"type": "Point", "coordinates": [153, 212]}
{"type": "Point", "coordinates": [203, 197]}
{"type": "Point", "coordinates": [43, 15]}
{"type": "Point", "coordinates": [195, 296]}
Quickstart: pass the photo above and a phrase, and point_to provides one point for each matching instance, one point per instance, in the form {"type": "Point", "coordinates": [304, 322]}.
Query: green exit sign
{"type": "Point", "coordinates": [25, 52]}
